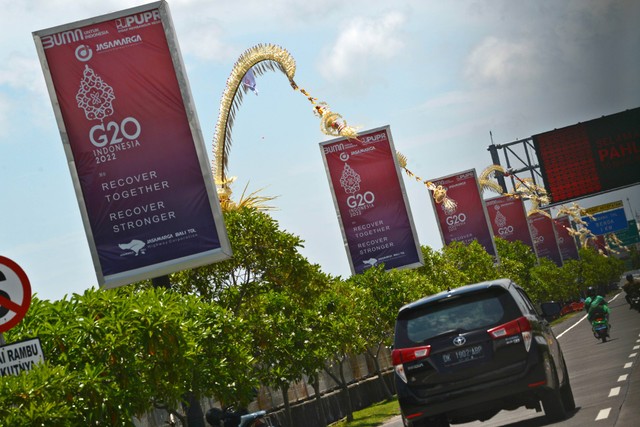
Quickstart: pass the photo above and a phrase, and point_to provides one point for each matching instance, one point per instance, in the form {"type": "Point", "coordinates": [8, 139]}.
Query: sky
{"type": "Point", "coordinates": [442, 75]}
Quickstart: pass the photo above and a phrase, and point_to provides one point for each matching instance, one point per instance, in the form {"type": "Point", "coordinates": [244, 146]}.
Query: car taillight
{"type": "Point", "coordinates": [404, 355]}
{"type": "Point", "coordinates": [514, 327]}
{"type": "Point", "coordinates": [520, 326]}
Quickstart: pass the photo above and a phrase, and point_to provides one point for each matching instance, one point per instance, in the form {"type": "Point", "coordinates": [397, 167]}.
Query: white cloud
{"type": "Point", "coordinates": [362, 46]}
{"type": "Point", "coordinates": [446, 100]}
{"type": "Point", "coordinates": [501, 62]}
{"type": "Point", "coordinates": [205, 42]}
{"type": "Point", "coordinates": [20, 72]}
{"type": "Point", "coordinates": [4, 115]}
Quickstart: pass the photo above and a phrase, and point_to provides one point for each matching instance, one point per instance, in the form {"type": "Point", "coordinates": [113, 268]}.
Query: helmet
{"type": "Point", "coordinates": [630, 277]}
{"type": "Point", "coordinates": [591, 291]}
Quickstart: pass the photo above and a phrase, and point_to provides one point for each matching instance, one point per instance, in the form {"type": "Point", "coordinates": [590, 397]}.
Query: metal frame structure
{"type": "Point", "coordinates": [521, 150]}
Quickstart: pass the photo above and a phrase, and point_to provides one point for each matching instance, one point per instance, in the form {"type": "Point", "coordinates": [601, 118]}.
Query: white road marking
{"type": "Point", "coordinates": [573, 326]}
{"type": "Point", "coordinates": [623, 377]}
{"type": "Point", "coordinates": [636, 347]}
{"type": "Point", "coordinates": [628, 365]}
{"type": "Point", "coordinates": [614, 392]}
{"type": "Point", "coordinates": [603, 414]}
{"type": "Point", "coordinates": [633, 355]}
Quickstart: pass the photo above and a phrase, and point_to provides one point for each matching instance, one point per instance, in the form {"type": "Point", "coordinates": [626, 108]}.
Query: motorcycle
{"type": "Point", "coordinates": [635, 302]}
{"type": "Point", "coordinates": [230, 418]}
{"type": "Point", "coordinates": [600, 327]}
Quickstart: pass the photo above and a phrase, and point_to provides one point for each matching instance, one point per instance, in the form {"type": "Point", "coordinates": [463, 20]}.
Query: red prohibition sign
{"type": "Point", "coordinates": [13, 284]}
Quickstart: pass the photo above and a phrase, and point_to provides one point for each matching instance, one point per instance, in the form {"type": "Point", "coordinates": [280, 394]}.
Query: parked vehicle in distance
{"type": "Point", "coordinates": [551, 310]}
{"type": "Point", "coordinates": [572, 307]}
{"type": "Point", "coordinates": [466, 354]}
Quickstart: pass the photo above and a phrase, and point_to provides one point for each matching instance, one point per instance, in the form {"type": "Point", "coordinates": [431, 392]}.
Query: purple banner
{"type": "Point", "coordinates": [372, 207]}
{"type": "Point", "coordinates": [544, 237]}
{"type": "Point", "coordinates": [468, 221]}
{"type": "Point", "coordinates": [566, 242]}
{"type": "Point", "coordinates": [508, 218]}
{"type": "Point", "coordinates": [133, 144]}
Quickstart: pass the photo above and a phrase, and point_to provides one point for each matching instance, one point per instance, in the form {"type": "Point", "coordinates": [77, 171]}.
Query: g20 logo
{"type": "Point", "coordinates": [505, 230]}
{"type": "Point", "coordinates": [456, 219]}
{"type": "Point", "coordinates": [101, 135]}
{"type": "Point", "coordinates": [359, 200]}
{"type": "Point", "coordinates": [538, 240]}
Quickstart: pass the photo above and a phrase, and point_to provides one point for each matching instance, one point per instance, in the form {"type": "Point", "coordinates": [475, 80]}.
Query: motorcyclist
{"type": "Point", "coordinates": [595, 304]}
{"type": "Point", "coordinates": [631, 287]}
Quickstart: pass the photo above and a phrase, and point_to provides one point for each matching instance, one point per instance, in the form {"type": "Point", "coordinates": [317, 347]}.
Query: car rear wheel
{"type": "Point", "coordinates": [566, 392]}
{"type": "Point", "coordinates": [552, 401]}
{"type": "Point", "coordinates": [439, 421]}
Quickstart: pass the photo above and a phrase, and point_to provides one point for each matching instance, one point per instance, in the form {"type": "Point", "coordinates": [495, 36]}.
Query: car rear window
{"type": "Point", "coordinates": [478, 310]}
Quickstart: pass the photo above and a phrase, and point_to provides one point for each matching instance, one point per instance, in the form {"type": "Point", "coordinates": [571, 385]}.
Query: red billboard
{"type": "Point", "coordinates": [468, 221]}
{"type": "Point", "coordinates": [592, 157]}
{"type": "Point", "coordinates": [371, 202]}
{"type": "Point", "coordinates": [566, 242]}
{"type": "Point", "coordinates": [508, 218]}
{"type": "Point", "coordinates": [133, 144]}
{"type": "Point", "coordinates": [544, 237]}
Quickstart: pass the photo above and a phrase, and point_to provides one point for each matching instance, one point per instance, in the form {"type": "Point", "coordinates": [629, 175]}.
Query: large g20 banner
{"type": "Point", "coordinates": [468, 221]}
{"type": "Point", "coordinates": [133, 144]}
{"type": "Point", "coordinates": [371, 203]}
{"type": "Point", "coordinates": [508, 218]}
{"type": "Point", "coordinates": [544, 237]}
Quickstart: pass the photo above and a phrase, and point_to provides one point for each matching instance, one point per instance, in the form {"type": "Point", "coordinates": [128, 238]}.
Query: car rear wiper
{"type": "Point", "coordinates": [446, 333]}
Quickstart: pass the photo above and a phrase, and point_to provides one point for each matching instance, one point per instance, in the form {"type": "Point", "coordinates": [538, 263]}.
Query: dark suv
{"type": "Point", "coordinates": [465, 354]}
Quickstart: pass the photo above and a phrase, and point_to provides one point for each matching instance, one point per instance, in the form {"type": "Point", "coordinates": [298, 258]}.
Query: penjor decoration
{"type": "Point", "coordinates": [439, 192]}
{"type": "Point", "coordinates": [538, 196]}
{"type": "Point", "coordinates": [255, 61]}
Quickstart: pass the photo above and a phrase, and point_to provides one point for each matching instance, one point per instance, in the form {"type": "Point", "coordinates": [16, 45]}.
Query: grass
{"type": "Point", "coordinates": [374, 415]}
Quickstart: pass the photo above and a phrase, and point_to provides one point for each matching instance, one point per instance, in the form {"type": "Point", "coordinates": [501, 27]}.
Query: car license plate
{"type": "Point", "coordinates": [463, 355]}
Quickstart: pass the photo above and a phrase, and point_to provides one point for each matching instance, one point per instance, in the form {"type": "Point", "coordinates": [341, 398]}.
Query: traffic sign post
{"type": "Point", "coordinates": [15, 295]}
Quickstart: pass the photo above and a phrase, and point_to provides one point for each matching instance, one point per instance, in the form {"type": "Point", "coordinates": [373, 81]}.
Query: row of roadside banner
{"type": "Point", "coordinates": [144, 184]}
{"type": "Point", "coordinates": [377, 225]}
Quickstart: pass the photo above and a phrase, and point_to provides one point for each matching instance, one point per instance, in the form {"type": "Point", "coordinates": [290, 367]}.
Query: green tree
{"type": "Point", "coordinates": [597, 270]}
{"type": "Point", "coordinates": [547, 282]}
{"type": "Point", "coordinates": [471, 261]}
{"type": "Point", "coordinates": [339, 331]}
{"type": "Point", "coordinates": [265, 258]}
{"type": "Point", "coordinates": [634, 256]}
{"type": "Point", "coordinates": [516, 261]}
{"type": "Point", "coordinates": [381, 294]}
{"type": "Point", "coordinates": [285, 341]}
{"type": "Point", "coordinates": [438, 271]}
{"type": "Point", "coordinates": [273, 288]}
{"type": "Point", "coordinates": [122, 352]}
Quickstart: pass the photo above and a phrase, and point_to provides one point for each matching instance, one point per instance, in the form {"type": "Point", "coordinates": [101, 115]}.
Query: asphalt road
{"type": "Point", "coordinates": [605, 377]}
